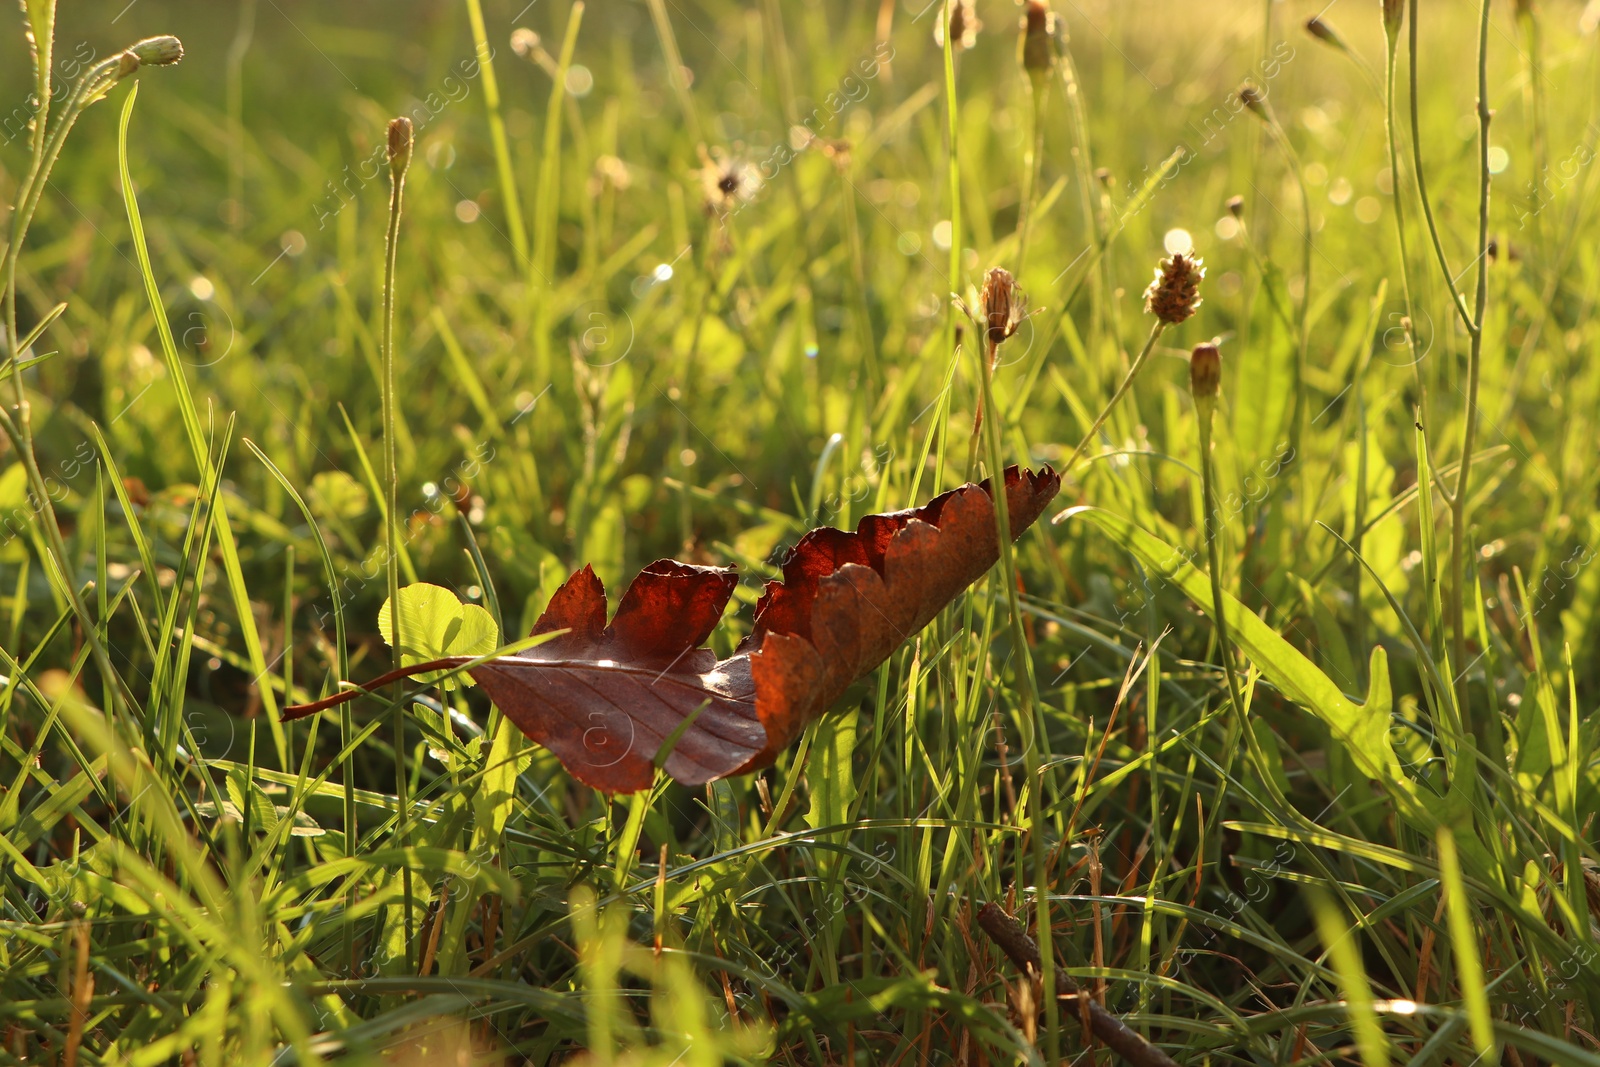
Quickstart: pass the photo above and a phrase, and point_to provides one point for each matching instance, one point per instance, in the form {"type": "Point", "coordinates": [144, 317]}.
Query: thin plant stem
{"type": "Point", "coordinates": [952, 117]}
{"type": "Point", "coordinates": [1302, 324]}
{"type": "Point", "coordinates": [1483, 727]}
{"type": "Point", "coordinates": [1031, 712]}
{"type": "Point", "coordinates": [391, 532]}
{"type": "Point", "coordinates": [1208, 492]}
{"type": "Point", "coordinates": [1030, 169]}
{"type": "Point", "coordinates": [1127, 383]}
{"type": "Point", "coordinates": [1422, 180]}
{"type": "Point", "coordinates": [1391, 54]}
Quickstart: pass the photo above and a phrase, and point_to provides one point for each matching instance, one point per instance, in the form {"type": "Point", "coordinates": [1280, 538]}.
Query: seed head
{"type": "Point", "coordinates": [1002, 305]}
{"type": "Point", "coordinates": [1236, 206]}
{"type": "Point", "coordinates": [1325, 33]}
{"type": "Point", "coordinates": [399, 146]}
{"type": "Point", "coordinates": [1253, 98]}
{"type": "Point", "coordinates": [1175, 293]}
{"type": "Point", "coordinates": [1038, 38]}
{"type": "Point", "coordinates": [158, 51]}
{"type": "Point", "coordinates": [524, 41]}
{"type": "Point", "coordinates": [1205, 372]}
{"type": "Point", "coordinates": [1393, 14]}
{"type": "Point", "coordinates": [727, 182]}
{"type": "Point", "coordinates": [963, 26]}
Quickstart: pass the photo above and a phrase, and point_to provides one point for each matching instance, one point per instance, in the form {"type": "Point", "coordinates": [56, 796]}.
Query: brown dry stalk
{"type": "Point", "coordinates": [1009, 937]}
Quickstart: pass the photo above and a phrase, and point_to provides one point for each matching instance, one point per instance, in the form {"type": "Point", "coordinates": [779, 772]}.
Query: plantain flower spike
{"type": "Point", "coordinates": [399, 146]}
{"type": "Point", "coordinates": [1205, 375]}
{"type": "Point", "coordinates": [1393, 14]}
{"type": "Point", "coordinates": [1174, 295]}
{"type": "Point", "coordinates": [963, 26]}
{"type": "Point", "coordinates": [1038, 38]}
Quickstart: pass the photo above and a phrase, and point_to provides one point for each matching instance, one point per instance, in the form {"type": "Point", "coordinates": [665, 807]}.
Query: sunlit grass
{"type": "Point", "coordinates": [676, 279]}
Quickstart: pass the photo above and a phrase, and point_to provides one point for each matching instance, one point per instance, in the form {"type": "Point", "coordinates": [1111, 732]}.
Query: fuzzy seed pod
{"type": "Point", "coordinates": [158, 51]}
{"type": "Point", "coordinates": [399, 145]}
{"type": "Point", "coordinates": [1038, 38]}
{"type": "Point", "coordinates": [1002, 305]}
{"type": "Point", "coordinates": [1236, 206]}
{"type": "Point", "coordinates": [1175, 293]}
{"type": "Point", "coordinates": [1205, 373]}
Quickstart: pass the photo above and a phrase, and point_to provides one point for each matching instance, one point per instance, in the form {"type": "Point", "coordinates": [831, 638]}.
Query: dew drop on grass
{"type": "Point", "coordinates": [201, 288]}
{"type": "Point", "coordinates": [579, 80]}
{"type": "Point", "coordinates": [1499, 159]}
{"type": "Point", "coordinates": [942, 235]}
{"type": "Point", "coordinates": [1227, 227]}
{"type": "Point", "coordinates": [1340, 191]}
{"type": "Point", "coordinates": [1178, 242]}
{"type": "Point", "coordinates": [468, 210]}
{"type": "Point", "coordinates": [1368, 209]}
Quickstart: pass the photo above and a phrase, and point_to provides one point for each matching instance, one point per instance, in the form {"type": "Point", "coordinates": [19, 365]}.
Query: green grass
{"type": "Point", "coordinates": [1386, 854]}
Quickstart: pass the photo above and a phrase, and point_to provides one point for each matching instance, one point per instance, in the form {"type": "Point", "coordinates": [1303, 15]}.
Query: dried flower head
{"type": "Point", "coordinates": [524, 41]}
{"type": "Point", "coordinates": [400, 139]}
{"type": "Point", "coordinates": [1002, 305]}
{"type": "Point", "coordinates": [1236, 206]}
{"type": "Point", "coordinates": [1038, 37]}
{"type": "Point", "coordinates": [963, 26]}
{"type": "Point", "coordinates": [727, 182]}
{"type": "Point", "coordinates": [1174, 295]}
{"type": "Point", "coordinates": [1205, 372]}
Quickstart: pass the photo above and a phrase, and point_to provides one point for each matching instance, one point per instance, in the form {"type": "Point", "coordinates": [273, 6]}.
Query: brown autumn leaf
{"type": "Point", "coordinates": [606, 698]}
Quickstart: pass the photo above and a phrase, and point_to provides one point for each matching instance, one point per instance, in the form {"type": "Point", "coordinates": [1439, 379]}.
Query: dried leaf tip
{"type": "Point", "coordinates": [962, 25]}
{"type": "Point", "coordinates": [400, 138]}
{"type": "Point", "coordinates": [1174, 295]}
{"type": "Point", "coordinates": [1038, 37]}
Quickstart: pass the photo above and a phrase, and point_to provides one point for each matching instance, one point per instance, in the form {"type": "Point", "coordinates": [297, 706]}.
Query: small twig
{"type": "Point", "coordinates": [1009, 937]}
